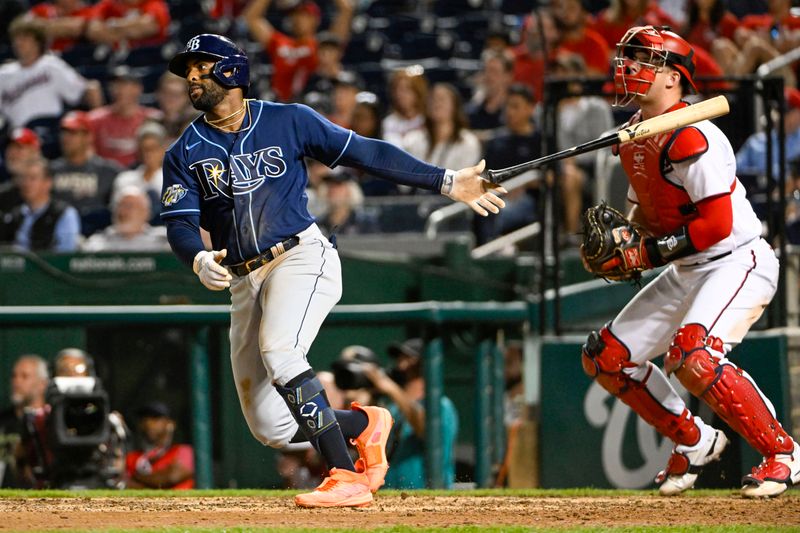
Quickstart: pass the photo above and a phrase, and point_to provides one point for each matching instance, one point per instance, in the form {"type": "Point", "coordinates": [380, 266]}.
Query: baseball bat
{"type": "Point", "coordinates": [707, 109]}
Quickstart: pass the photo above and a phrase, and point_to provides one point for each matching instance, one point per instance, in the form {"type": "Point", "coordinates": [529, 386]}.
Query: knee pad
{"type": "Point", "coordinates": [603, 353]}
{"type": "Point", "coordinates": [309, 405]}
{"type": "Point", "coordinates": [726, 389]}
{"type": "Point", "coordinates": [604, 357]}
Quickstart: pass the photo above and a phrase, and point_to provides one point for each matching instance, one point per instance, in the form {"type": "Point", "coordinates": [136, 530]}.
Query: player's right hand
{"type": "Point", "coordinates": [207, 267]}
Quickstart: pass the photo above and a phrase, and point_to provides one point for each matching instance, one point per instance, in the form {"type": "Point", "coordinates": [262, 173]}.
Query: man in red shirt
{"type": "Point", "coordinates": [539, 38]}
{"type": "Point", "coordinates": [571, 20]}
{"type": "Point", "coordinates": [160, 464]}
{"type": "Point", "coordinates": [65, 21]}
{"type": "Point", "coordinates": [135, 22]}
{"type": "Point", "coordinates": [294, 57]}
{"type": "Point", "coordinates": [115, 125]}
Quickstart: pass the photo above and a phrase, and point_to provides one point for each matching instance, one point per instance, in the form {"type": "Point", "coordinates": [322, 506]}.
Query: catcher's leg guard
{"type": "Point", "coordinates": [726, 388]}
{"type": "Point", "coordinates": [604, 357]}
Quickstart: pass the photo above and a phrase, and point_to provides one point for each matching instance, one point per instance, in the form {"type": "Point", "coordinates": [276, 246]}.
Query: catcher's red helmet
{"type": "Point", "coordinates": [642, 53]}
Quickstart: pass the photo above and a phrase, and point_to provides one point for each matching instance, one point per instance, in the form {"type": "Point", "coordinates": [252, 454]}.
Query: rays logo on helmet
{"type": "Point", "coordinates": [173, 194]}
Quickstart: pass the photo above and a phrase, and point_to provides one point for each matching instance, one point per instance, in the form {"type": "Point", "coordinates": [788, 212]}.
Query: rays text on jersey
{"type": "Point", "coordinates": [246, 173]}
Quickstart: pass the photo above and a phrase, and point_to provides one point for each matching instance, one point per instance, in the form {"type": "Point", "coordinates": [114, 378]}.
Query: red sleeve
{"type": "Point", "coordinates": [713, 223]}
{"type": "Point", "coordinates": [103, 10]}
{"type": "Point", "coordinates": [728, 24]}
{"type": "Point", "coordinates": [130, 462]}
{"type": "Point", "coordinates": [44, 11]}
{"type": "Point", "coordinates": [159, 10]}
{"type": "Point", "coordinates": [185, 457]}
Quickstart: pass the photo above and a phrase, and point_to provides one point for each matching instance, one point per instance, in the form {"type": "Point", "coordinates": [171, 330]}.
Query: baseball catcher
{"type": "Point", "coordinates": [616, 249]}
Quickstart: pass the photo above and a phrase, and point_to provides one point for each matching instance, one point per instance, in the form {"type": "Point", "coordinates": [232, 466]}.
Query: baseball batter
{"type": "Point", "coordinates": [238, 172]}
{"type": "Point", "coordinates": [721, 276]}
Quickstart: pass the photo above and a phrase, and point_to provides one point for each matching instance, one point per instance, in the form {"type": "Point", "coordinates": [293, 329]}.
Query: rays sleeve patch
{"type": "Point", "coordinates": [173, 194]}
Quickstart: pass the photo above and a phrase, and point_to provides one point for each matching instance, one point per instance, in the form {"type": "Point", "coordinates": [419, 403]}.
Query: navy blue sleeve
{"type": "Point", "coordinates": [333, 145]}
{"type": "Point", "coordinates": [183, 234]}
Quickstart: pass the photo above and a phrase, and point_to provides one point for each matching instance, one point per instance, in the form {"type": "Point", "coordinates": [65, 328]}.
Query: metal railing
{"type": "Point", "coordinates": [435, 317]}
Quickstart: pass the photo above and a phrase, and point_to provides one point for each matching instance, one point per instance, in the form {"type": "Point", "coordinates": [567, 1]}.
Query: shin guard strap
{"type": "Point", "coordinates": [309, 406]}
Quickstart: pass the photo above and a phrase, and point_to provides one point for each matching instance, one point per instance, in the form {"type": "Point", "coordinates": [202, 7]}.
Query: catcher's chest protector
{"type": "Point", "coordinates": [664, 205]}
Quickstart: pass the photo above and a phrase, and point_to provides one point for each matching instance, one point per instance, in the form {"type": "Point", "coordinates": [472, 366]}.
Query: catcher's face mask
{"type": "Point", "coordinates": [640, 57]}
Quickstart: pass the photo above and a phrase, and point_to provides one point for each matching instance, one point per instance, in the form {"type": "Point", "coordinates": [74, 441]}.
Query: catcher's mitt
{"type": "Point", "coordinates": [612, 245]}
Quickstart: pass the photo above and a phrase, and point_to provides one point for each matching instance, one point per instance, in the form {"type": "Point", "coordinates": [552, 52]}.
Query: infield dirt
{"type": "Point", "coordinates": [97, 513]}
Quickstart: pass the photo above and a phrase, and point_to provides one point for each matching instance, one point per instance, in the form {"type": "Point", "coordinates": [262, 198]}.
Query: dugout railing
{"type": "Point", "coordinates": [435, 318]}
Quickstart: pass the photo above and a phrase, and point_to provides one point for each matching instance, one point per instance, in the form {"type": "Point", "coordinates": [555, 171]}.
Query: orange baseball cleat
{"type": "Point", "coordinates": [371, 444]}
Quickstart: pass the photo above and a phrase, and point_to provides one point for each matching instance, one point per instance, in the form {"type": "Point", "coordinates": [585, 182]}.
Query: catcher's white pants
{"type": "Point", "coordinates": [726, 296]}
{"type": "Point", "coordinates": [276, 312]}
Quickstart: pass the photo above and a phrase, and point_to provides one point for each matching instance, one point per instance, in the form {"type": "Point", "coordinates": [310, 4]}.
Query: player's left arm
{"type": "Point", "coordinates": [333, 145]}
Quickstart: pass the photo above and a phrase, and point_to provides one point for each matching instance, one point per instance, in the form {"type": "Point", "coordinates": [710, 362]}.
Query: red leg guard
{"type": "Point", "coordinates": [725, 389]}
{"type": "Point", "coordinates": [604, 357]}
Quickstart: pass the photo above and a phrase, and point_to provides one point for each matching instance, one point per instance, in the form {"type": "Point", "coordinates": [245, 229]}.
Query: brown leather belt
{"type": "Point", "coordinates": [243, 269]}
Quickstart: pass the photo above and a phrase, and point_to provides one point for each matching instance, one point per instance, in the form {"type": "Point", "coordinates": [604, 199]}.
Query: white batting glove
{"type": "Point", "coordinates": [207, 267]}
{"type": "Point", "coordinates": [469, 187]}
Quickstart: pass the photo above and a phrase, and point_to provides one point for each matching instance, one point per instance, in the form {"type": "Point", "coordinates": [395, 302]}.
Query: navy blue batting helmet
{"type": "Point", "coordinates": [228, 56]}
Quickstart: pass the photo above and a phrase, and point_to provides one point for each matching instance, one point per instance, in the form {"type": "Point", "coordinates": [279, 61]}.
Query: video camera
{"type": "Point", "coordinates": [348, 370]}
{"type": "Point", "coordinates": [80, 448]}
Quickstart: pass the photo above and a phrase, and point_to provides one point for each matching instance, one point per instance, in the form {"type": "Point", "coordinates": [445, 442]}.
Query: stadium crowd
{"type": "Point", "coordinates": [87, 107]}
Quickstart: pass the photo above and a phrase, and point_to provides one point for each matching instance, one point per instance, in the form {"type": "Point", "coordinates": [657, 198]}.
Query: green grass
{"type": "Point", "coordinates": [522, 493]}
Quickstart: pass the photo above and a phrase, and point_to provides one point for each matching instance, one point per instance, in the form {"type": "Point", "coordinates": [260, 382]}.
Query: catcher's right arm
{"type": "Point", "coordinates": [613, 247]}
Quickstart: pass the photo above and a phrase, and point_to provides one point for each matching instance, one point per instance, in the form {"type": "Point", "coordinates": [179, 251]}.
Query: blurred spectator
{"type": "Point", "coordinates": [621, 15]}
{"type": "Point", "coordinates": [709, 22]}
{"type": "Point", "coordinates": [517, 142]}
{"type": "Point", "coordinates": [404, 386]}
{"type": "Point", "coordinates": [793, 205]}
{"type": "Point", "coordinates": [752, 156]}
{"type": "Point", "coordinates": [130, 230]}
{"type": "Point", "coordinates": [148, 177]}
{"type": "Point", "coordinates": [129, 23]}
{"type": "Point", "coordinates": [367, 123]}
{"type": "Point", "coordinates": [577, 38]}
{"type": "Point", "coordinates": [41, 222]}
{"type": "Point", "coordinates": [760, 38]}
{"type": "Point", "coordinates": [408, 96]}
{"type": "Point", "coordinates": [343, 197]}
{"type": "Point", "coordinates": [580, 119]}
{"type": "Point", "coordinates": [81, 178]}
{"type": "Point", "coordinates": [115, 125]}
{"type": "Point", "coordinates": [539, 39]}
{"type": "Point", "coordinates": [294, 58]}
{"type": "Point", "coordinates": [779, 26]}
{"type": "Point", "coordinates": [497, 40]}
{"type": "Point", "coordinates": [485, 110]}
{"type": "Point", "coordinates": [445, 140]}
{"type": "Point", "coordinates": [329, 63]}
{"type": "Point", "coordinates": [35, 88]}
{"type": "Point", "coordinates": [159, 463]}
{"type": "Point", "coordinates": [346, 87]}
{"type": "Point", "coordinates": [174, 104]}
{"type": "Point", "coordinates": [29, 379]}
{"type": "Point", "coordinates": [64, 21]}
{"type": "Point", "coordinates": [23, 146]}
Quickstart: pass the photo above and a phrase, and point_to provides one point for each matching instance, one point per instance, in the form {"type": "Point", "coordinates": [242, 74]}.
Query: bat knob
{"type": "Point", "coordinates": [491, 175]}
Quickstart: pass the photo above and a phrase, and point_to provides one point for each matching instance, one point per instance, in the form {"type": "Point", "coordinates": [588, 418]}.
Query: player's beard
{"type": "Point", "coordinates": [211, 95]}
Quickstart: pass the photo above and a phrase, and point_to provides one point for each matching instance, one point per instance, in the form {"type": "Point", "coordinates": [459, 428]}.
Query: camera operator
{"type": "Point", "coordinates": [29, 379]}
{"type": "Point", "coordinates": [76, 442]}
{"type": "Point", "coordinates": [404, 387]}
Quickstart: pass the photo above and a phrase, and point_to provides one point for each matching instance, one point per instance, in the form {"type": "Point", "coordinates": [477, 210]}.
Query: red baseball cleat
{"type": "Point", "coordinates": [773, 476]}
{"type": "Point", "coordinates": [371, 444]}
{"type": "Point", "coordinates": [342, 488]}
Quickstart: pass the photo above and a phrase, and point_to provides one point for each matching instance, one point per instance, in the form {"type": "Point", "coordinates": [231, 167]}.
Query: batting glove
{"type": "Point", "coordinates": [207, 267]}
{"type": "Point", "coordinates": [467, 185]}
